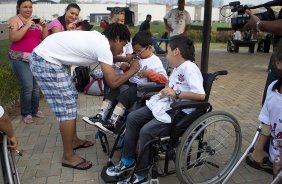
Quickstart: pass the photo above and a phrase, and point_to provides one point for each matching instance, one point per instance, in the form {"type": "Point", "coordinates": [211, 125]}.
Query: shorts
{"type": "Point", "coordinates": [57, 87]}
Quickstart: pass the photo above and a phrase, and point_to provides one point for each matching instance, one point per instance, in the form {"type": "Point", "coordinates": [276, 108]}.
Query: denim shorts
{"type": "Point", "coordinates": [57, 87]}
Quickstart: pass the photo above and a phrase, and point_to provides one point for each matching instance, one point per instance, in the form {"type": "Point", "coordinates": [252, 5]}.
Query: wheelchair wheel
{"type": "Point", "coordinates": [209, 149]}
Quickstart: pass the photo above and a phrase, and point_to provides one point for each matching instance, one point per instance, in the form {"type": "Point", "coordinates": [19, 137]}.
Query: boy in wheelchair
{"type": "Point", "coordinates": [271, 116]}
{"type": "Point", "coordinates": [151, 70]}
{"type": "Point", "coordinates": [154, 119]}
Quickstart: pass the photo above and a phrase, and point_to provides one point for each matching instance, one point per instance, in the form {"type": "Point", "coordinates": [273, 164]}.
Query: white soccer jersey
{"type": "Point", "coordinates": [187, 78]}
{"type": "Point", "coordinates": [179, 19]}
{"type": "Point", "coordinates": [152, 63]}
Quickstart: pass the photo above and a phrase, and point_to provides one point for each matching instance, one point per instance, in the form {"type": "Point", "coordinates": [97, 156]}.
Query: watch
{"type": "Point", "coordinates": [257, 26]}
{"type": "Point", "coordinates": [177, 93]}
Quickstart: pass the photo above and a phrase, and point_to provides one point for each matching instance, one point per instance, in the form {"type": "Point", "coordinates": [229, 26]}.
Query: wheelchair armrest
{"type": "Point", "coordinates": [150, 87]}
{"type": "Point", "coordinates": [188, 104]}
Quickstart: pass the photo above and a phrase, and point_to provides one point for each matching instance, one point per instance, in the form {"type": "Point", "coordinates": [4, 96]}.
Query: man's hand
{"type": "Point", "coordinates": [134, 65]}
{"type": "Point", "coordinates": [251, 24]}
{"type": "Point", "coordinates": [13, 144]}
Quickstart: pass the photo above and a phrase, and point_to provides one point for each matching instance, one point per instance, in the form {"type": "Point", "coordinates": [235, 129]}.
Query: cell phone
{"type": "Point", "coordinates": [36, 21]}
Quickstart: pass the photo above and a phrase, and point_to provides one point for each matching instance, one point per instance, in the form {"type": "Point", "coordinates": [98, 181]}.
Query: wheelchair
{"type": "Point", "coordinates": [202, 147]}
{"type": "Point", "coordinates": [8, 167]}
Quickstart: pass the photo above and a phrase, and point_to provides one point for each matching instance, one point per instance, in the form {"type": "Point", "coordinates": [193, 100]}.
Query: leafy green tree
{"type": "Point", "coordinates": [67, 1]}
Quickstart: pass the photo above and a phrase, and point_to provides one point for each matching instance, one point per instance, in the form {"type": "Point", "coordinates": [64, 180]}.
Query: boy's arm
{"type": "Point", "coordinates": [153, 76]}
{"type": "Point", "coordinates": [167, 91]}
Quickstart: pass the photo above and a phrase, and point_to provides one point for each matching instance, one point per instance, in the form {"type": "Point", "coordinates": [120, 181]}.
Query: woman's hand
{"type": "Point", "coordinates": [43, 23]}
{"type": "Point", "coordinates": [72, 26]}
{"type": "Point", "coordinates": [29, 23]}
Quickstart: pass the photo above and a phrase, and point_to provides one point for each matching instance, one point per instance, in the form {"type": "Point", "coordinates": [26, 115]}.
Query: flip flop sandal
{"type": "Point", "coordinates": [83, 145]}
{"type": "Point", "coordinates": [78, 166]}
{"type": "Point", "coordinates": [265, 166]}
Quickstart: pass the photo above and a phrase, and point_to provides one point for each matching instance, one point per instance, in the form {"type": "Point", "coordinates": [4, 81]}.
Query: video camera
{"type": "Point", "coordinates": [239, 21]}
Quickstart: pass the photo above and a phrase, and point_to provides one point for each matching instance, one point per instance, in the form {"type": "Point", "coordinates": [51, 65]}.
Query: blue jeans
{"type": "Point", "coordinates": [29, 90]}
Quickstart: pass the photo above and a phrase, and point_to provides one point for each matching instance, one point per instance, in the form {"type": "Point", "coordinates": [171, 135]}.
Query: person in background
{"type": "Point", "coordinates": [145, 26]}
{"type": "Point", "coordinates": [180, 20]}
{"type": "Point", "coordinates": [7, 127]}
{"type": "Point", "coordinates": [67, 21]}
{"type": "Point", "coordinates": [118, 16]}
{"type": "Point", "coordinates": [237, 35]}
{"type": "Point", "coordinates": [25, 34]}
{"type": "Point", "coordinates": [84, 26]}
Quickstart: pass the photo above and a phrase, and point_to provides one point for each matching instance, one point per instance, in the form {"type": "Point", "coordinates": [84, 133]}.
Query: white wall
{"type": "Point", "coordinates": [157, 12]}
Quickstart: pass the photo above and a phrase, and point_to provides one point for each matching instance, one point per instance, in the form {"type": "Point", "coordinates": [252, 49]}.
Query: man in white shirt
{"type": "Point", "coordinates": [180, 20]}
{"type": "Point", "coordinates": [81, 48]}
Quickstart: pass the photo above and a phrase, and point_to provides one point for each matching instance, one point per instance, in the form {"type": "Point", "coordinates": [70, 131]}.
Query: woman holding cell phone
{"type": "Point", "coordinates": [25, 34]}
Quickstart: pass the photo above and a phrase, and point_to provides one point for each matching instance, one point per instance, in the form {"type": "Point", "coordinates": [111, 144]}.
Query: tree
{"type": "Point", "coordinates": [67, 1]}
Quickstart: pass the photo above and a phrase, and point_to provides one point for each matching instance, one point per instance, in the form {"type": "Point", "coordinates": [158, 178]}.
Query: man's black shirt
{"type": "Point", "coordinates": [145, 26]}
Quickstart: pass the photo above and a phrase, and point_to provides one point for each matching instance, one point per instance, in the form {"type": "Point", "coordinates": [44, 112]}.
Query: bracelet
{"type": "Point", "coordinates": [257, 26]}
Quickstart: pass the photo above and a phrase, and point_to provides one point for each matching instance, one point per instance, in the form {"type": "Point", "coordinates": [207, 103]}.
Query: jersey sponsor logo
{"type": "Point", "coordinates": [181, 77]}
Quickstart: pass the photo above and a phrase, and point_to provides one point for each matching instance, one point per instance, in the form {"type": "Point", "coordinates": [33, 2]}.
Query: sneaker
{"type": "Point", "coordinates": [119, 169]}
{"type": "Point", "coordinates": [93, 120]}
{"type": "Point", "coordinates": [28, 119]}
{"type": "Point", "coordinates": [135, 180]}
{"type": "Point", "coordinates": [106, 126]}
{"type": "Point", "coordinates": [39, 114]}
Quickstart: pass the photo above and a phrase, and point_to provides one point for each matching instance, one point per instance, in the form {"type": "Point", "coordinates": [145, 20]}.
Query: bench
{"type": "Point", "coordinates": [244, 43]}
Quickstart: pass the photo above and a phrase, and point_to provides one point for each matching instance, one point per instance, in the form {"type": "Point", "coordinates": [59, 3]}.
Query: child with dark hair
{"type": "Point", "coordinates": [271, 117]}
{"type": "Point", "coordinates": [151, 70]}
{"type": "Point", "coordinates": [152, 120]}
{"type": "Point", "coordinates": [80, 48]}
{"type": "Point", "coordinates": [67, 21]}
{"type": "Point", "coordinates": [83, 25]}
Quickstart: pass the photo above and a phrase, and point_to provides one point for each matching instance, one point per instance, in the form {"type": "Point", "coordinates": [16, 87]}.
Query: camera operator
{"type": "Point", "coordinates": [274, 27]}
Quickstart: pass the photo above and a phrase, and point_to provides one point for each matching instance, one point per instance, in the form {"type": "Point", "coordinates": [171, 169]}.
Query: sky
{"type": "Point", "coordinates": [243, 2]}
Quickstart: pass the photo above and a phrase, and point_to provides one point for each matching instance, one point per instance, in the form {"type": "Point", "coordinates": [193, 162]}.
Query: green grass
{"type": "Point", "coordinates": [4, 47]}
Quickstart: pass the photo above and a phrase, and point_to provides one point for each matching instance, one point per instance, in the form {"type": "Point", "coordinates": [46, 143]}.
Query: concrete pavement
{"type": "Point", "coordinates": [239, 93]}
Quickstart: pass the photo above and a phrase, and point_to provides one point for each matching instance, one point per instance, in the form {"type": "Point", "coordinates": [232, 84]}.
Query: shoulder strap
{"type": "Point", "coordinates": [101, 86]}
